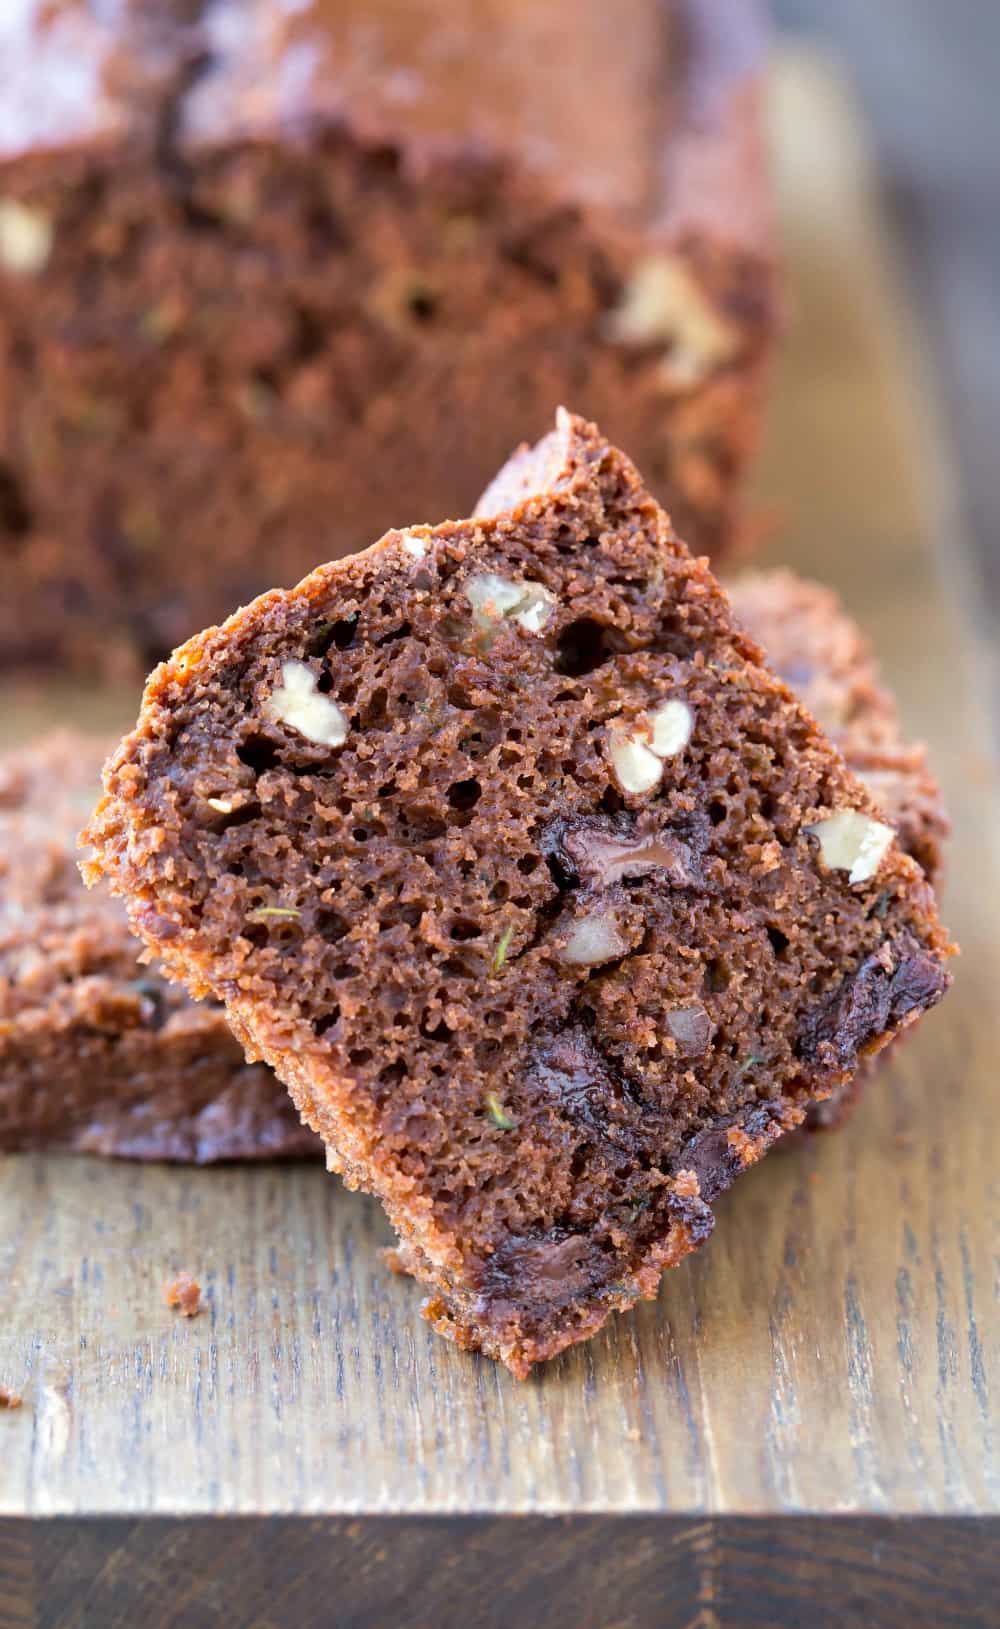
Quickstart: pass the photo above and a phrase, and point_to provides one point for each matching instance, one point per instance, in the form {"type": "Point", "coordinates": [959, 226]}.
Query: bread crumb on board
{"type": "Point", "coordinates": [10, 1399]}
{"type": "Point", "coordinates": [184, 1293]}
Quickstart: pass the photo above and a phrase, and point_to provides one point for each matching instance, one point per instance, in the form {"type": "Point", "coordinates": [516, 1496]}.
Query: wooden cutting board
{"type": "Point", "coordinates": [800, 1431]}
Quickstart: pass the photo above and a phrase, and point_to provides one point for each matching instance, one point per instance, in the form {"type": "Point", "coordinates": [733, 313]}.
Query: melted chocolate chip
{"type": "Point", "coordinates": [587, 1087]}
{"type": "Point", "coordinates": [532, 1273]}
{"type": "Point", "coordinates": [714, 1159]}
{"type": "Point", "coordinates": [717, 1159]}
{"type": "Point", "coordinates": [599, 850]}
{"type": "Point", "coordinates": [897, 979]}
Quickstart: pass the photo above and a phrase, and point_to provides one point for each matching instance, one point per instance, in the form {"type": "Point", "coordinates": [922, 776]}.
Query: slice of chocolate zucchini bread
{"type": "Point", "coordinates": [99, 1055]}
{"type": "Point", "coordinates": [548, 902]}
{"type": "Point", "coordinates": [261, 263]}
{"type": "Point", "coordinates": [821, 653]}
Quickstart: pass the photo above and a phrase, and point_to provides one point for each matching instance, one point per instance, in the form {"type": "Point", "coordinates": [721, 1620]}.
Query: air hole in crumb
{"type": "Point", "coordinates": [327, 1021]}
{"type": "Point", "coordinates": [779, 941]}
{"type": "Point", "coordinates": [422, 304]}
{"type": "Point", "coordinates": [403, 631]}
{"type": "Point", "coordinates": [332, 925]}
{"type": "Point", "coordinates": [716, 976]}
{"type": "Point", "coordinates": [393, 1073]}
{"type": "Point", "coordinates": [464, 794]}
{"type": "Point", "coordinates": [527, 864]}
{"type": "Point", "coordinates": [440, 1032]}
{"type": "Point", "coordinates": [360, 1056]}
{"type": "Point", "coordinates": [377, 708]}
{"type": "Point", "coordinates": [717, 812]}
{"type": "Point", "coordinates": [15, 511]}
{"type": "Point", "coordinates": [340, 633]}
{"type": "Point", "coordinates": [200, 219]}
{"type": "Point", "coordinates": [500, 892]}
{"type": "Point", "coordinates": [239, 817]}
{"type": "Point", "coordinates": [463, 929]}
{"type": "Point", "coordinates": [344, 970]}
{"type": "Point", "coordinates": [611, 801]}
{"type": "Point", "coordinates": [669, 642]}
{"type": "Point", "coordinates": [584, 645]}
{"type": "Point", "coordinates": [258, 753]}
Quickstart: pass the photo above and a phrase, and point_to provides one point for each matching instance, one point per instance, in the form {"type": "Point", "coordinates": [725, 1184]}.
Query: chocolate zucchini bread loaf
{"type": "Point", "coordinates": [97, 1054]}
{"type": "Point", "coordinates": [262, 265]}
{"type": "Point", "coordinates": [547, 901]}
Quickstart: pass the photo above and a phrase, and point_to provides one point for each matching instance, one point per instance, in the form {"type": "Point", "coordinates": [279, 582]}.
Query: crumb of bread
{"type": "Point", "coordinates": [184, 1293]}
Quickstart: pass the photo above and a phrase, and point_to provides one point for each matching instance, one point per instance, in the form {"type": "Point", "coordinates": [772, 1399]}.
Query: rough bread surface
{"type": "Point", "coordinates": [811, 642]}
{"type": "Point", "coordinates": [262, 264]}
{"type": "Point", "coordinates": [820, 652]}
{"type": "Point", "coordinates": [534, 886]}
{"type": "Point", "coordinates": [98, 1054]}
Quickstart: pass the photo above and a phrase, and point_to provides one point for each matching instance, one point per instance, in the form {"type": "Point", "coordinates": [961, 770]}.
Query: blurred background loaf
{"type": "Point", "coordinates": [274, 278]}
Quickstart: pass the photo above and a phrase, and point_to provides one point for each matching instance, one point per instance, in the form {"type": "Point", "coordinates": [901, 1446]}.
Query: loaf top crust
{"type": "Point", "coordinates": [645, 110]}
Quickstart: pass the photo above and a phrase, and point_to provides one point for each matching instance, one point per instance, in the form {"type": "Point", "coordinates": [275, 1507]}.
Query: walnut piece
{"type": "Point", "coordinates": [637, 755]}
{"type": "Point", "coordinates": [297, 703]}
{"type": "Point", "coordinates": [638, 769]}
{"type": "Point", "coordinates": [592, 940]}
{"type": "Point", "coordinates": [414, 544]}
{"type": "Point", "coordinates": [690, 1027]}
{"type": "Point", "coordinates": [25, 238]}
{"type": "Point", "coordinates": [662, 301]}
{"type": "Point", "coordinates": [670, 728]}
{"type": "Point", "coordinates": [852, 841]}
{"type": "Point", "coordinates": [495, 599]}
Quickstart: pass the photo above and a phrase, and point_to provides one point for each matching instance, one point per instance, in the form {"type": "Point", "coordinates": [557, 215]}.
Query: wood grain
{"type": "Point", "coordinates": [836, 1349]}
{"type": "Point", "coordinates": [673, 1572]}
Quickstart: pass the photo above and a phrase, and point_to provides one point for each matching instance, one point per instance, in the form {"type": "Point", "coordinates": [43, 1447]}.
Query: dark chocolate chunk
{"type": "Point", "coordinates": [569, 1068]}
{"type": "Point", "coordinates": [599, 850]}
{"type": "Point", "coordinates": [896, 980]}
